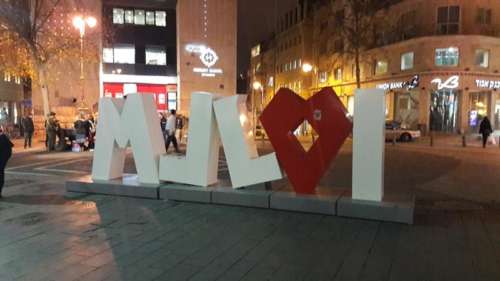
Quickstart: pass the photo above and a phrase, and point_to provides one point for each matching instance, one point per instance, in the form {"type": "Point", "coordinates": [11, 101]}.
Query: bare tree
{"type": "Point", "coordinates": [34, 34]}
{"type": "Point", "coordinates": [358, 24]}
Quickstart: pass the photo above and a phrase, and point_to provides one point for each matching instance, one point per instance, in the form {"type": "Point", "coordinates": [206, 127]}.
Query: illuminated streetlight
{"type": "Point", "coordinates": [81, 23]}
{"type": "Point", "coordinates": [307, 67]}
{"type": "Point", "coordinates": [257, 85]}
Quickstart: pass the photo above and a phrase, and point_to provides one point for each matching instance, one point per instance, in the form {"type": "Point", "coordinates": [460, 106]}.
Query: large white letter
{"type": "Point", "coordinates": [245, 165]}
{"type": "Point", "coordinates": [368, 145]}
{"type": "Point", "coordinates": [133, 122]}
{"type": "Point", "coordinates": [200, 165]}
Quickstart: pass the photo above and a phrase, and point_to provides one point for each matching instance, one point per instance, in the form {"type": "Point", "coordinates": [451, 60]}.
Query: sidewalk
{"type": "Point", "coordinates": [37, 145]}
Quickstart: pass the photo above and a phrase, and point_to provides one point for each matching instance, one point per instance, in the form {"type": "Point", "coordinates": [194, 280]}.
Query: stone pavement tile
{"type": "Point", "coordinates": [380, 257]}
{"type": "Point", "coordinates": [261, 272]}
{"type": "Point", "coordinates": [236, 272]}
{"type": "Point", "coordinates": [100, 273]}
{"type": "Point", "coordinates": [180, 272]}
{"type": "Point", "coordinates": [485, 260]}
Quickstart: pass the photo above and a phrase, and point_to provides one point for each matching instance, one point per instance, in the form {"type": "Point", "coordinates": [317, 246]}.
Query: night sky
{"type": "Point", "coordinates": [256, 22]}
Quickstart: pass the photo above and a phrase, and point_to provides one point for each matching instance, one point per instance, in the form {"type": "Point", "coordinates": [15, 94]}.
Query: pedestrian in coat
{"type": "Point", "coordinates": [29, 129]}
{"type": "Point", "coordinates": [485, 130]}
{"type": "Point", "coordinates": [170, 129]}
{"type": "Point", "coordinates": [5, 154]}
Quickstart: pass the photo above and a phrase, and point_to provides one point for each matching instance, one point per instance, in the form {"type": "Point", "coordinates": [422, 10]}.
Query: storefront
{"type": "Point", "coordinates": [163, 89]}
{"type": "Point", "coordinates": [443, 102]}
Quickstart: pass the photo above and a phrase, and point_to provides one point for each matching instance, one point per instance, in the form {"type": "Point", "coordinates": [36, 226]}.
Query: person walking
{"type": "Point", "coordinates": [485, 130]}
{"type": "Point", "coordinates": [29, 129]}
{"type": "Point", "coordinates": [51, 130]}
{"type": "Point", "coordinates": [170, 129]}
{"type": "Point", "coordinates": [5, 154]}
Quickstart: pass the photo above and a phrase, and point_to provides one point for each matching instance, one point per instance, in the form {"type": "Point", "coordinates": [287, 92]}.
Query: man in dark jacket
{"type": "Point", "coordinates": [29, 129]}
{"type": "Point", "coordinates": [5, 154]}
{"type": "Point", "coordinates": [485, 130]}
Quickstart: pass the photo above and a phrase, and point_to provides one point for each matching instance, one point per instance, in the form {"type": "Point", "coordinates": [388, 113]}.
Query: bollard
{"type": "Point", "coordinates": [393, 136]}
{"type": "Point", "coordinates": [464, 140]}
{"type": "Point", "coordinates": [432, 139]}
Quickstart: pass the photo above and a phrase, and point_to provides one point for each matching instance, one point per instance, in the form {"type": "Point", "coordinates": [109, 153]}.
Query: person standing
{"type": "Point", "coordinates": [170, 129]}
{"type": "Point", "coordinates": [485, 130]}
{"type": "Point", "coordinates": [29, 129]}
{"type": "Point", "coordinates": [5, 154]}
{"type": "Point", "coordinates": [51, 130]}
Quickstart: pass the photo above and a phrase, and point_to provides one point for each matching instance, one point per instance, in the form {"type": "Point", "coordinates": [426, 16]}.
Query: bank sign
{"type": "Point", "coordinates": [213, 121]}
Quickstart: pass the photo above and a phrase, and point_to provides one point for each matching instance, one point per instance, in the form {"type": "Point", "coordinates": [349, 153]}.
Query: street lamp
{"type": "Point", "coordinates": [256, 87]}
{"type": "Point", "coordinates": [81, 23]}
{"type": "Point", "coordinates": [307, 67]}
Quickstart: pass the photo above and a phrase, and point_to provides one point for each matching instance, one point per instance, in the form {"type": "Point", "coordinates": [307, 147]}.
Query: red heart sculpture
{"type": "Point", "coordinates": [326, 114]}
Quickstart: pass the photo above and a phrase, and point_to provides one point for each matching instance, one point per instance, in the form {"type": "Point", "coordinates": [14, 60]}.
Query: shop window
{"type": "Point", "coordinates": [107, 55]}
{"type": "Point", "coordinates": [447, 56]}
{"type": "Point", "coordinates": [17, 79]}
{"type": "Point", "coordinates": [338, 73]}
{"type": "Point", "coordinates": [448, 20]}
{"type": "Point", "coordinates": [156, 56]}
{"type": "Point", "coordinates": [381, 67]}
{"type": "Point", "coordinates": [118, 15]}
{"type": "Point", "coordinates": [129, 16]}
{"type": "Point", "coordinates": [444, 111]}
{"type": "Point", "coordinates": [478, 108]}
{"type": "Point", "coordinates": [124, 54]}
{"type": "Point", "coordinates": [407, 60]}
{"type": "Point", "coordinates": [150, 18]}
{"type": "Point", "coordinates": [482, 58]}
{"type": "Point", "coordinates": [161, 18]}
{"type": "Point", "coordinates": [483, 16]}
{"type": "Point", "coordinates": [139, 17]}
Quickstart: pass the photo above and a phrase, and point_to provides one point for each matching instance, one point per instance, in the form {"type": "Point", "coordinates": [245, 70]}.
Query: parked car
{"type": "Point", "coordinates": [393, 130]}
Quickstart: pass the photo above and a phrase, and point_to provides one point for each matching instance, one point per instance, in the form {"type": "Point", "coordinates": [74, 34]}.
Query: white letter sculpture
{"type": "Point", "coordinates": [133, 122]}
{"type": "Point", "coordinates": [245, 166]}
{"type": "Point", "coordinates": [200, 165]}
{"type": "Point", "coordinates": [368, 145]}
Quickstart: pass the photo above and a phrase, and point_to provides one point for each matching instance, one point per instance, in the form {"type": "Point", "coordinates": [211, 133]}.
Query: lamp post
{"type": "Point", "coordinates": [256, 87]}
{"type": "Point", "coordinates": [81, 23]}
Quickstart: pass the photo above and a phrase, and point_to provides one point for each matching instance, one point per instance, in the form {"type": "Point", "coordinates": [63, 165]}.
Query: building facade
{"type": "Point", "coordinates": [14, 98]}
{"type": "Point", "coordinates": [139, 50]}
{"type": "Point", "coordinates": [437, 60]}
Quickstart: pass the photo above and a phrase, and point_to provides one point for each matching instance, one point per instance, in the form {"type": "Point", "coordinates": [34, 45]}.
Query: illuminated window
{"type": "Point", "coordinates": [118, 16]}
{"type": "Point", "coordinates": [161, 18]}
{"type": "Point", "coordinates": [338, 73]}
{"type": "Point", "coordinates": [156, 56]}
{"type": "Point", "coordinates": [6, 77]}
{"type": "Point", "coordinates": [129, 16]}
{"type": "Point", "coordinates": [381, 67]}
{"type": "Point", "coordinates": [323, 76]}
{"type": "Point", "coordinates": [124, 54]}
{"type": "Point", "coordinates": [17, 79]}
{"type": "Point", "coordinates": [150, 18]}
{"type": "Point", "coordinates": [139, 17]}
{"type": "Point", "coordinates": [482, 58]}
{"type": "Point", "coordinates": [107, 55]}
{"type": "Point", "coordinates": [407, 60]}
{"type": "Point", "coordinates": [447, 56]}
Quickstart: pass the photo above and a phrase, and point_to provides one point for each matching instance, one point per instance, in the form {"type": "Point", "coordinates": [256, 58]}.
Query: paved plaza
{"type": "Point", "coordinates": [48, 234]}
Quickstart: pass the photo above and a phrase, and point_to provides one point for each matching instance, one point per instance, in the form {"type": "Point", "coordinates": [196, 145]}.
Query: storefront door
{"type": "Point", "coordinates": [444, 111]}
{"type": "Point", "coordinates": [479, 105]}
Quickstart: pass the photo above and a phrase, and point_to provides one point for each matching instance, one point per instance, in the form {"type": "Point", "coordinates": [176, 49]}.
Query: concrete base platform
{"type": "Point", "coordinates": [179, 192]}
{"type": "Point", "coordinates": [127, 186]}
{"type": "Point", "coordinates": [317, 204]}
{"type": "Point", "coordinates": [241, 197]}
{"type": "Point", "coordinates": [398, 209]}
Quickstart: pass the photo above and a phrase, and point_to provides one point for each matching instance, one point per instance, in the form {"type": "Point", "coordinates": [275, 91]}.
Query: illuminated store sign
{"type": "Point", "coordinates": [208, 57]}
{"type": "Point", "coordinates": [411, 84]}
{"type": "Point", "coordinates": [488, 84]}
{"type": "Point", "coordinates": [452, 83]}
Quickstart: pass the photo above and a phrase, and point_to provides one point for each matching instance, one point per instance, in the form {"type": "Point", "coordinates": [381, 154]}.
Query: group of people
{"type": "Point", "coordinates": [169, 125]}
{"type": "Point", "coordinates": [85, 131]}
